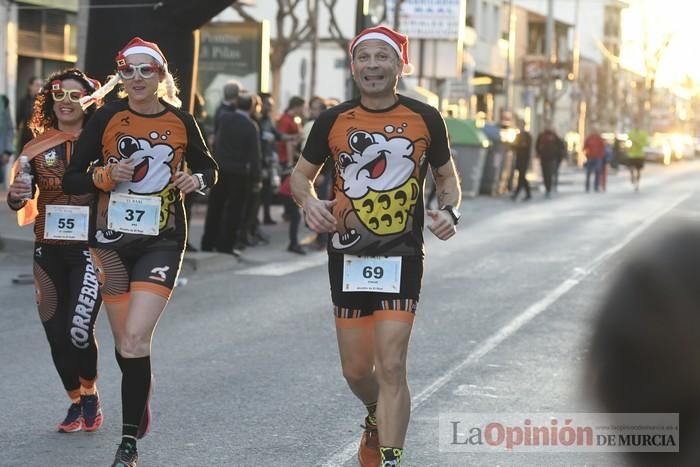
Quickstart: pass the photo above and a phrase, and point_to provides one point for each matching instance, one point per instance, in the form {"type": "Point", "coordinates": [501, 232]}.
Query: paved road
{"type": "Point", "coordinates": [246, 362]}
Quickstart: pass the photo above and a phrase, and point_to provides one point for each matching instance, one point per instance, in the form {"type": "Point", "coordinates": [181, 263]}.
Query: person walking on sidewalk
{"type": "Point", "coordinates": [635, 156]}
{"type": "Point", "coordinates": [133, 153]}
{"type": "Point", "coordinates": [594, 148]}
{"type": "Point", "coordinates": [547, 147]}
{"type": "Point", "coordinates": [67, 293]}
{"type": "Point", "coordinates": [523, 148]}
{"type": "Point", "coordinates": [382, 144]}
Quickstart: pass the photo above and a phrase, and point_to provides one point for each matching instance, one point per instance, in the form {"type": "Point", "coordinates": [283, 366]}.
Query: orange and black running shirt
{"type": "Point", "coordinates": [161, 144]}
{"type": "Point", "coordinates": [381, 158]}
{"type": "Point", "coordinates": [47, 169]}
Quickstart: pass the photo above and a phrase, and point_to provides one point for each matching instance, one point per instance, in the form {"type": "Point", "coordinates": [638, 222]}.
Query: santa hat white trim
{"type": "Point", "coordinates": [140, 49]}
{"type": "Point", "coordinates": [377, 36]}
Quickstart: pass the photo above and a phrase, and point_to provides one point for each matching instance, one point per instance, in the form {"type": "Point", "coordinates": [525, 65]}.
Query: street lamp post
{"type": "Point", "coordinates": [549, 49]}
{"type": "Point", "coordinates": [361, 11]}
{"type": "Point", "coordinates": [511, 54]}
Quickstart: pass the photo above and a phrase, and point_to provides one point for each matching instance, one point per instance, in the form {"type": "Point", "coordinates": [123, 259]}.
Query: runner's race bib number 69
{"type": "Point", "coordinates": [66, 222]}
{"type": "Point", "coordinates": [372, 274]}
{"type": "Point", "coordinates": [134, 214]}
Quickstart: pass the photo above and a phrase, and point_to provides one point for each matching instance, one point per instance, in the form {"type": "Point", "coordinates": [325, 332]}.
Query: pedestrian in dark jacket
{"type": "Point", "coordinates": [547, 147]}
{"type": "Point", "coordinates": [522, 147]}
{"type": "Point", "coordinates": [237, 151]}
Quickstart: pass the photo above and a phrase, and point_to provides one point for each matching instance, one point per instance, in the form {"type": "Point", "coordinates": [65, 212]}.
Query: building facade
{"type": "Point", "coordinates": [41, 36]}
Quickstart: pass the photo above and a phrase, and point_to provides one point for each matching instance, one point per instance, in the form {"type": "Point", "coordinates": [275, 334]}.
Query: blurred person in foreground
{"type": "Point", "coordinates": [645, 349]}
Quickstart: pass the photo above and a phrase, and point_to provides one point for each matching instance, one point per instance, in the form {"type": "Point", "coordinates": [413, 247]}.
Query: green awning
{"type": "Point", "coordinates": [465, 133]}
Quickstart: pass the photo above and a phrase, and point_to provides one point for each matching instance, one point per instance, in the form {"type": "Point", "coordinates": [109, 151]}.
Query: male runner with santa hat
{"type": "Point", "coordinates": [382, 144]}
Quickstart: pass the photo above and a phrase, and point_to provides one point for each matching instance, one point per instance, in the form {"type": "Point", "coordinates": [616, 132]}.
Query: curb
{"type": "Point", "coordinates": [13, 244]}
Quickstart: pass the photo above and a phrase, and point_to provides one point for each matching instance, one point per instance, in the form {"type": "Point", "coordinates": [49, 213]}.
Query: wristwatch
{"type": "Point", "coordinates": [454, 213]}
{"type": "Point", "coordinates": [200, 178]}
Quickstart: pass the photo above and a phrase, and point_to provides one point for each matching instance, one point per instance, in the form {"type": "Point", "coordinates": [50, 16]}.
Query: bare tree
{"type": "Point", "coordinates": [292, 33]}
{"type": "Point", "coordinates": [333, 28]}
{"type": "Point", "coordinates": [652, 58]}
{"type": "Point", "coordinates": [312, 10]}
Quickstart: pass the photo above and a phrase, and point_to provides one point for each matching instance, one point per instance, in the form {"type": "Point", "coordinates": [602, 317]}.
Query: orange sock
{"type": "Point", "coordinates": [87, 387]}
{"type": "Point", "coordinates": [74, 396]}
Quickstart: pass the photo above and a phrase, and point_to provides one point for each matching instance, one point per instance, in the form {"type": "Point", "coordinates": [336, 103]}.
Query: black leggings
{"type": "Point", "coordinates": [68, 299]}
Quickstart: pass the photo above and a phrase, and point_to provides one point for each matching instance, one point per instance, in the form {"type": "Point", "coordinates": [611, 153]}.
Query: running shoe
{"type": "Point", "coordinates": [368, 453]}
{"type": "Point", "coordinates": [72, 422]}
{"type": "Point", "coordinates": [92, 412]}
{"type": "Point", "coordinates": [126, 455]}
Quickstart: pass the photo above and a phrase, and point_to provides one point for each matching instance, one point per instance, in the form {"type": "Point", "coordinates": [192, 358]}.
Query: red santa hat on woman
{"type": "Point", "coordinates": [396, 40]}
{"type": "Point", "coordinates": [138, 46]}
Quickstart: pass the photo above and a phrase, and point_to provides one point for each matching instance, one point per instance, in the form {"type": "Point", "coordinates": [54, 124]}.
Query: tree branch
{"type": "Point", "coordinates": [333, 29]}
{"type": "Point", "coordinates": [240, 9]}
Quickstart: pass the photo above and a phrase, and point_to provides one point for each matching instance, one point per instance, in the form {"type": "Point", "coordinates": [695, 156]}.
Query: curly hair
{"type": "Point", "coordinates": [43, 116]}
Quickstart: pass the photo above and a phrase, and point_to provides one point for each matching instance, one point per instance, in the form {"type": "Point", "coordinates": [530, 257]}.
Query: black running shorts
{"type": "Point", "coordinates": [401, 306]}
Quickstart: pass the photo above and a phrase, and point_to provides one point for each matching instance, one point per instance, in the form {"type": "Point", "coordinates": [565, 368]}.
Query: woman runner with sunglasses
{"type": "Point", "coordinates": [134, 153]}
{"type": "Point", "coordinates": [67, 294]}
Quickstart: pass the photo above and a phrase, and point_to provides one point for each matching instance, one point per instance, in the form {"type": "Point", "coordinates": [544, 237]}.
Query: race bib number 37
{"type": "Point", "coordinates": [66, 222]}
{"type": "Point", "coordinates": [372, 274]}
{"type": "Point", "coordinates": [134, 214]}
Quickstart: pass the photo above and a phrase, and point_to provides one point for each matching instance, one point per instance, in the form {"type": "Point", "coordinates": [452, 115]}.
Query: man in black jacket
{"type": "Point", "coordinates": [523, 147]}
{"type": "Point", "coordinates": [237, 151]}
{"type": "Point", "coordinates": [548, 149]}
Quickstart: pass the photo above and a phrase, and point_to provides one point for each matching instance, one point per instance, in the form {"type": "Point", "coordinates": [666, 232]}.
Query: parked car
{"type": "Point", "coordinates": [659, 149]}
{"type": "Point", "coordinates": [682, 146]}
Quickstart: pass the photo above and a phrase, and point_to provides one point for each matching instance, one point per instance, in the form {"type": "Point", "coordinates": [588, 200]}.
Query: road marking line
{"type": "Point", "coordinates": [349, 450]}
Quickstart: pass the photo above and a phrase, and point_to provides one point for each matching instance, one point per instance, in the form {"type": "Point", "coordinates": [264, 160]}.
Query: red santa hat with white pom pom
{"type": "Point", "coordinates": [396, 40]}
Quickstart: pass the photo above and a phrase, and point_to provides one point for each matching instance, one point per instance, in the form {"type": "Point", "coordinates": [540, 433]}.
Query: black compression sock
{"type": "Point", "coordinates": [120, 359]}
{"type": "Point", "coordinates": [136, 380]}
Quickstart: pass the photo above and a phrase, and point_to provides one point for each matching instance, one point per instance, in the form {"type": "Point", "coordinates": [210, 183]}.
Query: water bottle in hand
{"type": "Point", "coordinates": [25, 175]}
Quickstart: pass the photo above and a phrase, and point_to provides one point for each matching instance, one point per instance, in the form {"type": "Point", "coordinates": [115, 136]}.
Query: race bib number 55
{"type": "Point", "coordinates": [66, 222]}
{"type": "Point", "coordinates": [372, 274]}
{"type": "Point", "coordinates": [134, 214]}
